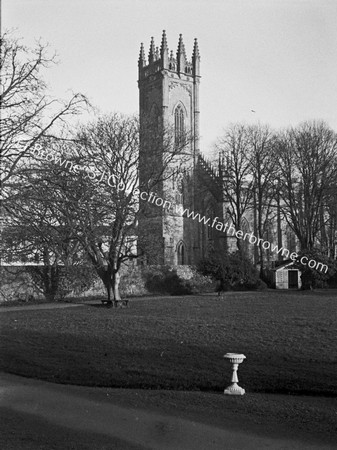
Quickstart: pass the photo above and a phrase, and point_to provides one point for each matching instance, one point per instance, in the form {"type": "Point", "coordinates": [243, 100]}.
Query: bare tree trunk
{"type": "Point", "coordinates": [47, 279]}
{"type": "Point", "coordinates": [105, 276]}
{"type": "Point", "coordinates": [116, 280]}
{"type": "Point", "coordinates": [108, 289]}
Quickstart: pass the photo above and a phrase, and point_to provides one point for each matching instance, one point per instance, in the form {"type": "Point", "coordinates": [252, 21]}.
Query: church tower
{"type": "Point", "coordinates": [168, 101]}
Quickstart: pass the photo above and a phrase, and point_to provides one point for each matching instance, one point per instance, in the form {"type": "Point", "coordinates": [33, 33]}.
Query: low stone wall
{"type": "Point", "coordinates": [132, 283]}
{"type": "Point", "coordinates": [17, 285]}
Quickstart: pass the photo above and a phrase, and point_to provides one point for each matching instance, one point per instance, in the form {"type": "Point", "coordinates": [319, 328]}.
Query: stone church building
{"type": "Point", "coordinates": [169, 86]}
{"type": "Point", "coordinates": [169, 94]}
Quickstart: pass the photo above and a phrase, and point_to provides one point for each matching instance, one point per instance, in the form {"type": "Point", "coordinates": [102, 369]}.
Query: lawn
{"type": "Point", "coordinates": [289, 339]}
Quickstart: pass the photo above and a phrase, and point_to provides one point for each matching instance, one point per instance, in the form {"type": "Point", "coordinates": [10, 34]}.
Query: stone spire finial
{"type": "Point", "coordinates": [181, 47]}
{"type": "Point", "coordinates": [152, 52]}
{"type": "Point", "coordinates": [142, 59]}
{"type": "Point", "coordinates": [196, 59]}
{"type": "Point", "coordinates": [164, 51]}
{"type": "Point", "coordinates": [196, 54]}
{"type": "Point", "coordinates": [181, 55]}
{"type": "Point", "coordinates": [163, 46]}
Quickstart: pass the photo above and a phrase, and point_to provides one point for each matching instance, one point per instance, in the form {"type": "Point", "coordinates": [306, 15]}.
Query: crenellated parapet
{"type": "Point", "coordinates": [162, 59]}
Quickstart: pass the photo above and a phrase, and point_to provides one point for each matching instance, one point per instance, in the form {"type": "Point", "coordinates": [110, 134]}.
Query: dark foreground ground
{"type": "Point", "coordinates": [177, 344]}
{"type": "Point", "coordinates": [40, 415]}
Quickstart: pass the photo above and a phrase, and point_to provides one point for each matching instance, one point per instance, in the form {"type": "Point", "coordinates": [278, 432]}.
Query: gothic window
{"type": "Point", "coordinates": [155, 116]}
{"type": "Point", "coordinates": [181, 253]}
{"type": "Point", "coordinates": [208, 228]}
{"type": "Point", "coordinates": [180, 181]}
{"type": "Point", "coordinates": [179, 125]}
{"type": "Point", "coordinates": [244, 225]}
{"type": "Point", "coordinates": [209, 232]}
{"type": "Point", "coordinates": [154, 110]}
{"type": "Point", "coordinates": [211, 215]}
{"type": "Point", "coordinates": [179, 198]}
{"type": "Point", "coordinates": [180, 188]}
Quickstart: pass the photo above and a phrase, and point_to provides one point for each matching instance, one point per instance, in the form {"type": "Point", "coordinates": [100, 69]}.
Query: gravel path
{"type": "Point", "coordinates": [40, 415]}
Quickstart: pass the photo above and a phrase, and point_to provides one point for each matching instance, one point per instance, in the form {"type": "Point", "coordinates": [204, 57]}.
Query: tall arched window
{"type": "Point", "coordinates": [155, 116]}
{"type": "Point", "coordinates": [179, 125]}
{"type": "Point", "coordinates": [210, 213]}
{"type": "Point", "coordinates": [181, 253]}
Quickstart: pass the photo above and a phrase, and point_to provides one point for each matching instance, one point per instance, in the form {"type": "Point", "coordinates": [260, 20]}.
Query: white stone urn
{"type": "Point", "coordinates": [234, 388]}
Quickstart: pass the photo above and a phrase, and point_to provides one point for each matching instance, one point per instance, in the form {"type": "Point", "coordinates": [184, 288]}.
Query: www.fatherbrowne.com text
{"type": "Point", "coordinates": [229, 229]}
{"type": "Point", "coordinates": [178, 209]}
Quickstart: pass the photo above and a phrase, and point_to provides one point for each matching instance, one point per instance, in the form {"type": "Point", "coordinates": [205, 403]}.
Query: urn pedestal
{"type": "Point", "coordinates": [234, 388]}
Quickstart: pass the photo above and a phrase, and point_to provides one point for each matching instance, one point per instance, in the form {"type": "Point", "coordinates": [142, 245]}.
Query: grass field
{"type": "Point", "coordinates": [289, 339]}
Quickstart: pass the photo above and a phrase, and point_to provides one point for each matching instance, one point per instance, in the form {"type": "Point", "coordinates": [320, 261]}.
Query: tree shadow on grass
{"type": "Point", "coordinates": [119, 358]}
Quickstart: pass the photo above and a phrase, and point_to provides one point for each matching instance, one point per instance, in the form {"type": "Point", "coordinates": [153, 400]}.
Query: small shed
{"type": "Point", "coordinates": [286, 276]}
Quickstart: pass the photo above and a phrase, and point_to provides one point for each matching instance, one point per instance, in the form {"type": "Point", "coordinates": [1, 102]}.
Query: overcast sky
{"type": "Point", "coordinates": [276, 57]}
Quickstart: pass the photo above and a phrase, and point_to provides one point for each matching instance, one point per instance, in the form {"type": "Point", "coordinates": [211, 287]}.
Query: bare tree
{"type": "Point", "coordinates": [264, 171]}
{"type": "Point", "coordinates": [27, 112]}
{"type": "Point", "coordinates": [84, 196]}
{"type": "Point", "coordinates": [102, 205]}
{"type": "Point", "coordinates": [307, 167]}
{"type": "Point", "coordinates": [234, 146]}
{"type": "Point", "coordinates": [330, 218]}
{"type": "Point", "coordinates": [38, 230]}
{"type": "Point", "coordinates": [109, 225]}
{"type": "Point", "coordinates": [106, 214]}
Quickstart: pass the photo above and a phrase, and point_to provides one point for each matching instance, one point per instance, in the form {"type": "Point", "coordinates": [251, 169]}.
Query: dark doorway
{"type": "Point", "coordinates": [293, 279]}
